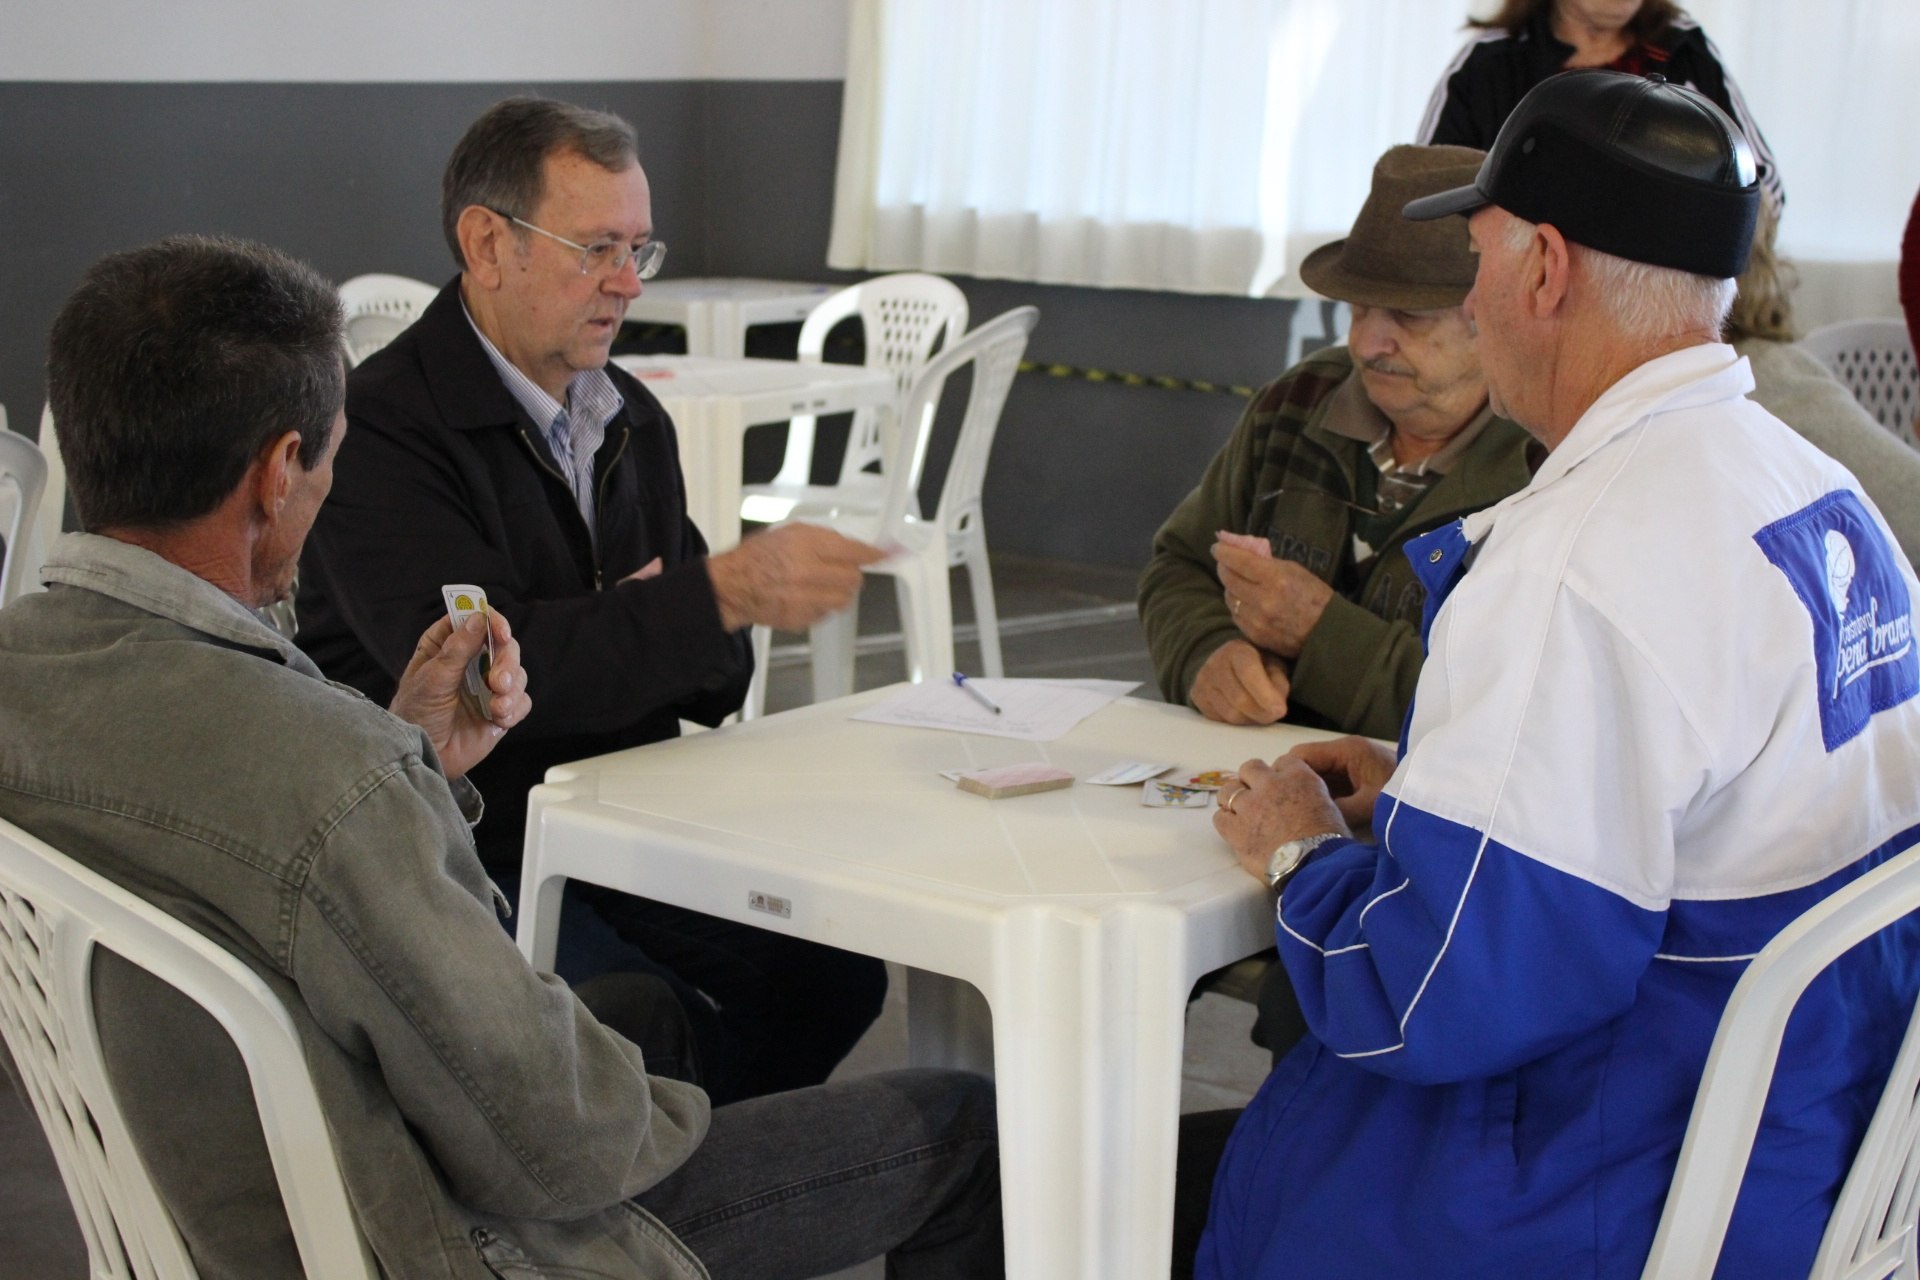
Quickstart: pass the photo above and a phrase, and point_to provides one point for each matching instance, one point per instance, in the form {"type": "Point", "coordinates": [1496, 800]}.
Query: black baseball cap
{"type": "Point", "coordinates": [1631, 166]}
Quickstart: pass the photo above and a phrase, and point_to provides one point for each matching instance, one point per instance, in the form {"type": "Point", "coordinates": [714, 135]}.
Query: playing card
{"type": "Point", "coordinates": [463, 600]}
{"type": "Point", "coordinates": [1128, 772]}
{"type": "Point", "coordinates": [1247, 542]}
{"type": "Point", "coordinates": [1013, 780]}
{"type": "Point", "coordinates": [1171, 795]}
{"type": "Point", "coordinates": [1211, 779]}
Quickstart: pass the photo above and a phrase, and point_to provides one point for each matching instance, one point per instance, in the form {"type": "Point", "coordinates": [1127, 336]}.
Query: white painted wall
{"type": "Point", "coordinates": [422, 40]}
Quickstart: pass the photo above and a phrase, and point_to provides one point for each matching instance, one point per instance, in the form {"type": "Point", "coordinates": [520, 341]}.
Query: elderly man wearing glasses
{"type": "Point", "coordinates": [493, 443]}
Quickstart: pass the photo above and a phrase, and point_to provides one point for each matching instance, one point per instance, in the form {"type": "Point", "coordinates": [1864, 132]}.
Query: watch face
{"type": "Point", "coordinates": [1284, 860]}
{"type": "Point", "coordinates": [1288, 857]}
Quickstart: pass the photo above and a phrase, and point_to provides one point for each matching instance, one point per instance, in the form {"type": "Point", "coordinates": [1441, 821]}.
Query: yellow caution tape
{"type": "Point", "coordinates": [1160, 381]}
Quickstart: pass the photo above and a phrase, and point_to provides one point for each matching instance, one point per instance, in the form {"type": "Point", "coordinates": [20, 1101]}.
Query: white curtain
{"type": "Point", "coordinates": [1836, 88]}
{"type": "Point", "coordinates": [1151, 144]}
{"type": "Point", "coordinates": [1206, 145]}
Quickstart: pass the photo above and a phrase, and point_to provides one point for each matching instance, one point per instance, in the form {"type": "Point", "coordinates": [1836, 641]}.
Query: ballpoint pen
{"type": "Point", "coordinates": [975, 694]}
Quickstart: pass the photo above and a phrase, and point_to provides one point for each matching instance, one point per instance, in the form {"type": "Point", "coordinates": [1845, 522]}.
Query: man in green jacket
{"type": "Point", "coordinates": [1278, 588]}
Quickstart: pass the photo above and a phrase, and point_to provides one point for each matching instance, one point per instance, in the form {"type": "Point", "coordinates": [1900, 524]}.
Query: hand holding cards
{"type": "Point", "coordinates": [463, 601]}
{"type": "Point", "coordinates": [472, 648]}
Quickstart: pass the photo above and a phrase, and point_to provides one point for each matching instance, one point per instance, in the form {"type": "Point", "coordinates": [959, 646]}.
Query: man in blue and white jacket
{"type": "Point", "coordinates": [1669, 705]}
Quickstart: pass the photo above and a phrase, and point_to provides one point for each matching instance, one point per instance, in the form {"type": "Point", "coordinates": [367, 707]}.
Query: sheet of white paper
{"type": "Point", "coordinates": [1031, 710]}
{"type": "Point", "coordinates": [1118, 688]}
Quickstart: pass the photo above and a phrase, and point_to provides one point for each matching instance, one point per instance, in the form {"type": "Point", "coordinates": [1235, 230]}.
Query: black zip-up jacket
{"type": "Point", "coordinates": [443, 477]}
{"type": "Point", "coordinates": [1494, 70]}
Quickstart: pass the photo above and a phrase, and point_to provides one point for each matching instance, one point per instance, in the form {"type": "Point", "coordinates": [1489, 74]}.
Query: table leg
{"type": "Point", "coordinates": [720, 482]}
{"type": "Point", "coordinates": [948, 1023]}
{"type": "Point", "coordinates": [538, 934]}
{"type": "Point", "coordinates": [1090, 1020]}
{"type": "Point", "coordinates": [698, 324]}
{"type": "Point", "coordinates": [538, 931]}
{"type": "Point", "coordinates": [727, 336]}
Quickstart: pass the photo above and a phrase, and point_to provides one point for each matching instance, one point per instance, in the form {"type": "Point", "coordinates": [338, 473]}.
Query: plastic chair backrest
{"type": "Point", "coordinates": [378, 307]}
{"type": "Point", "coordinates": [1875, 359]}
{"type": "Point", "coordinates": [1872, 1231]}
{"type": "Point", "coordinates": [994, 350]}
{"type": "Point", "coordinates": [23, 483]}
{"type": "Point", "coordinates": [903, 317]}
{"type": "Point", "coordinates": [54, 913]}
{"type": "Point", "coordinates": [53, 502]}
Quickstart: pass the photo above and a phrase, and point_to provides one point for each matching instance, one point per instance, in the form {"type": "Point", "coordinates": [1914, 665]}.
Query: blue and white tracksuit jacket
{"type": "Point", "coordinates": [1669, 708]}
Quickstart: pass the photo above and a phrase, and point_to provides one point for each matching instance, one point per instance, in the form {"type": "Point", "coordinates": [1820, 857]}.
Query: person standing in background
{"type": "Point", "coordinates": [1528, 40]}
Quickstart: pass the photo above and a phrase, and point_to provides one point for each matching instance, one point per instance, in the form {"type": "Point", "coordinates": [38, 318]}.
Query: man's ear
{"type": "Point", "coordinates": [273, 473]}
{"type": "Point", "coordinates": [483, 240]}
{"type": "Point", "coordinates": [1550, 269]}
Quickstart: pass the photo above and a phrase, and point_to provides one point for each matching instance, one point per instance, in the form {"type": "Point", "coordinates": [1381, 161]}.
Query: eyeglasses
{"type": "Point", "coordinates": [1273, 496]}
{"type": "Point", "coordinates": [604, 257]}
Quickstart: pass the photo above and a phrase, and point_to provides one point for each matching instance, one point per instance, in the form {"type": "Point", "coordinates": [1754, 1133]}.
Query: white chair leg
{"type": "Point", "coordinates": [756, 704]}
{"type": "Point", "coordinates": [986, 616]}
{"type": "Point", "coordinates": [926, 616]}
{"type": "Point", "coordinates": [832, 653]}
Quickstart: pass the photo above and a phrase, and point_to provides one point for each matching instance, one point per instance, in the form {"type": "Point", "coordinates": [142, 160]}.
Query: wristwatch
{"type": "Point", "coordinates": [1286, 860]}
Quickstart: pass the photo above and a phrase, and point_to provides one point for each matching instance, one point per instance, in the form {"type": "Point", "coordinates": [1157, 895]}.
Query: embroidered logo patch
{"type": "Point", "coordinates": [1848, 578]}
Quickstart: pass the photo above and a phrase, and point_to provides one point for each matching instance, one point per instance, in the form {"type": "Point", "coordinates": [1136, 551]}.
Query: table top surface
{"type": "Point", "coordinates": [729, 289]}
{"type": "Point", "coordinates": [812, 786]}
{"type": "Point", "coordinates": [670, 376]}
{"type": "Point", "coordinates": [758, 301]}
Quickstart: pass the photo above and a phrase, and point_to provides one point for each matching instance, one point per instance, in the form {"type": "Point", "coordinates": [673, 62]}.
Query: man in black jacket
{"type": "Point", "coordinates": [493, 443]}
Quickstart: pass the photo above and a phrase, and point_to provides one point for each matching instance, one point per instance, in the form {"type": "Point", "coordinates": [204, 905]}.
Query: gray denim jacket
{"type": "Point", "coordinates": [154, 729]}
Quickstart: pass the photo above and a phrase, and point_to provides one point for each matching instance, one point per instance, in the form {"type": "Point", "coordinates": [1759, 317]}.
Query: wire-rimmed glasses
{"type": "Point", "coordinates": [604, 257]}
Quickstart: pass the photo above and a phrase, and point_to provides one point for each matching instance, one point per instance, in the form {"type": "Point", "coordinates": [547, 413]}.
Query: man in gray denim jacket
{"type": "Point", "coordinates": [153, 728]}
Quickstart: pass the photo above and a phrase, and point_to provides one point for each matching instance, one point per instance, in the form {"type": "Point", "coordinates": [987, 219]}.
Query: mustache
{"type": "Point", "coordinates": [1379, 364]}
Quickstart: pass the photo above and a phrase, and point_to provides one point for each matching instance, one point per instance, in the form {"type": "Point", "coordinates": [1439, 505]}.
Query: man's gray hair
{"type": "Point", "coordinates": [499, 162]}
{"type": "Point", "coordinates": [1645, 300]}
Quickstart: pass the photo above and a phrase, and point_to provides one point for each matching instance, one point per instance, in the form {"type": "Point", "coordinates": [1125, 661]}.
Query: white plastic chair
{"type": "Point", "coordinates": [1875, 359]}
{"type": "Point", "coordinates": [929, 548]}
{"type": "Point", "coordinates": [53, 914]}
{"type": "Point", "coordinates": [378, 308]}
{"type": "Point", "coordinates": [1871, 1234]}
{"type": "Point", "coordinates": [23, 483]}
{"type": "Point", "coordinates": [903, 316]}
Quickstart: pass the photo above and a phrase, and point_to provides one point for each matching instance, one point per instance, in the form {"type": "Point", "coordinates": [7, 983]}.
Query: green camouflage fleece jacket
{"type": "Point", "coordinates": [1285, 475]}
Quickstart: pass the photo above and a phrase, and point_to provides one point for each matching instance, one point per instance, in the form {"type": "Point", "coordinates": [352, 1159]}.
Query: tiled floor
{"type": "Point", "coordinates": [1057, 620]}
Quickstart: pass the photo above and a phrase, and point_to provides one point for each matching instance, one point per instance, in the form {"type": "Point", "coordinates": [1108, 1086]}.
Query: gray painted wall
{"type": "Point", "coordinates": [346, 176]}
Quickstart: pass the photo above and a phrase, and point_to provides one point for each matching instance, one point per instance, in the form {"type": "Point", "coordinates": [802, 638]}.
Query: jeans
{"type": "Point", "coordinates": [799, 1184]}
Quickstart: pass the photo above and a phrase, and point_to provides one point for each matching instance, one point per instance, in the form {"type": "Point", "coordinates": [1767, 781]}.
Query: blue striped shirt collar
{"type": "Point", "coordinates": [574, 430]}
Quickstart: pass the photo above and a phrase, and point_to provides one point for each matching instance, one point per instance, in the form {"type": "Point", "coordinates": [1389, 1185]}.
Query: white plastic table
{"type": "Point", "coordinates": [1081, 916]}
{"type": "Point", "coordinates": [713, 401]}
{"type": "Point", "coordinates": [717, 311]}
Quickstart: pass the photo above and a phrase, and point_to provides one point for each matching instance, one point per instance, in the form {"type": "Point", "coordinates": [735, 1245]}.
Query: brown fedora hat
{"type": "Point", "coordinates": [1390, 261]}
